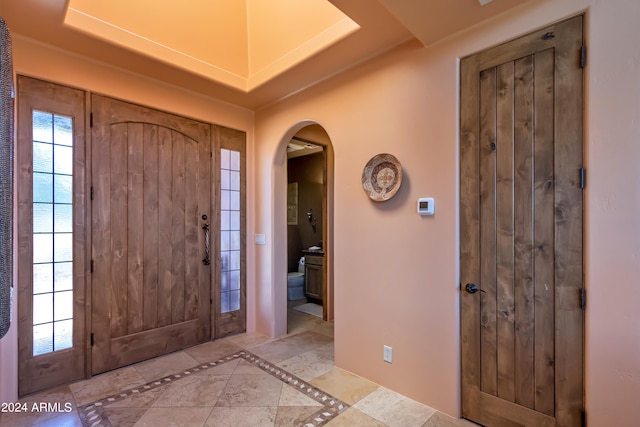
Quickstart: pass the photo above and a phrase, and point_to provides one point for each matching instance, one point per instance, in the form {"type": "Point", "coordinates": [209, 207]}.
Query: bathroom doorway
{"type": "Point", "coordinates": [309, 284]}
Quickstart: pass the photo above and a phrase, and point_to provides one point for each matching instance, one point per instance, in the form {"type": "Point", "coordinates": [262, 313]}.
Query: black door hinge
{"type": "Point", "coordinates": [583, 178]}
{"type": "Point", "coordinates": [583, 418]}
{"type": "Point", "coordinates": [91, 339]}
{"type": "Point", "coordinates": [583, 298]}
{"type": "Point", "coordinates": [210, 301]}
{"type": "Point", "coordinates": [91, 193]}
{"type": "Point", "coordinates": [92, 266]}
{"type": "Point", "coordinates": [583, 56]}
{"type": "Point", "coordinates": [90, 120]}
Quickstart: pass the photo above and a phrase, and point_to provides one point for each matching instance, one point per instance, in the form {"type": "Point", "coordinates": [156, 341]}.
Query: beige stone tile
{"type": "Point", "coordinates": [140, 400]}
{"type": "Point", "coordinates": [324, 328]}
{"type": "Point", "coordinates": [393, 409]}
{"type": "Point", "coordinates": [344, 385]}
{"type": "Point", "coordinates": [292, 397]}
{"type": "Point", "coordinates": [105, 385]}
{"type": "Point", "coordinates": [277, 351]}
{"type": "Point", "coordinates": [70, 419]}
{"type": "Point", "coordinates": [213, 350]}
{"type": "Point", "coordinates": [249, 340]}
{"type": "Point", "coordinates": [294, 416]}
{"type": "Point", "coordinates": [194, 390]}
{"type": "Point", "coordinates": [174, 417]}
{"type": "Point", "coordinates": [165, 365]}
{"type": "Point", "coordinates": [352, 417]}
{"type": "Point", "coordinates": [246, 368]}
{"type": "Point", "coordinates": [308, 340]}
{"type": "Point", "coordinates": [442, 420]}
{"type": "Point", "coordinates": [124, 417]}
{"type": "Point", "coordinates": [251, 390]}
{"type": "Point", "coordinates": [308, 365]}
{"type": "Point", "coordinates": [242, 417]}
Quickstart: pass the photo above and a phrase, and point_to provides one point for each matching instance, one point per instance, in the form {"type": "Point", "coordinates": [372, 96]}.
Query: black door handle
{"type": "Point", "coordinates": [472, 288]}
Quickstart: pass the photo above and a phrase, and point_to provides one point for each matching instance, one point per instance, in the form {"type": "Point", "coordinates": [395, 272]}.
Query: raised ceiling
{"type": "Point", "coordinates": [246, 52]}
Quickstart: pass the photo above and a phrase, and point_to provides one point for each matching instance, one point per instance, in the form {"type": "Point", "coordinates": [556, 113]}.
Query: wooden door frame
{"type": "Point", "coordinates": [567, 176]}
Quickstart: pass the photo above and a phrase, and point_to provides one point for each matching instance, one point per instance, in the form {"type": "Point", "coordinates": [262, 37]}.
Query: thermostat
{"type": "Point", "coordinates": [425, 206]}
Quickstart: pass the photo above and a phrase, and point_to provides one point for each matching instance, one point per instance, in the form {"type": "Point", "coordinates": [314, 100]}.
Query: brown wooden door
{"type": "Point", "coordinates": [52, 214]}
{"type": "Point", "coordinates": [151, 184]}
{"type": "Point", "coordinates": [521, 230]}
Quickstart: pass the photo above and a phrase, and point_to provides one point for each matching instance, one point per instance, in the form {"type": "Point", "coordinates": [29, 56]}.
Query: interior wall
{"type": "Point", "coordinates": [41, 61]}
{"type": "Point", "coordinates": [396, 274]}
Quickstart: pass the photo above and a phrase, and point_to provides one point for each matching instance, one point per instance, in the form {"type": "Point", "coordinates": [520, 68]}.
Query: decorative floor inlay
{"type": "Point", "coordinates": [93, 414]}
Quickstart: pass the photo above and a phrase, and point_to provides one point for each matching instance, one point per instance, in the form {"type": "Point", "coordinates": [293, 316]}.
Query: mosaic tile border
{"type": "Point", "coordinates": [92, 414]}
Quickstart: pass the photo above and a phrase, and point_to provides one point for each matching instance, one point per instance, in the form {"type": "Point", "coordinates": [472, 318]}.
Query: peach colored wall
{"type": "Point", "coordinates": [40, 61]}
{"type": "Point", "coordinates": [396, 274]}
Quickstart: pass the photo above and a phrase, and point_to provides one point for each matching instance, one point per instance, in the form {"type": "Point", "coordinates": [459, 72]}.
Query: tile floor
{"type": "Point", "coordinates": [245, 380]}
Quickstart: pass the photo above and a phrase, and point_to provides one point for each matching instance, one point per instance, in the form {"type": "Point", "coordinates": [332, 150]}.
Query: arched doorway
{"type": "Point", "coordinates": [308, 194]}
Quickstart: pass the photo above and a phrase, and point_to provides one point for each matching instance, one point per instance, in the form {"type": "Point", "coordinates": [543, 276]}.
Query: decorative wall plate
{"type": "Point", "coordinates": [381, 177]}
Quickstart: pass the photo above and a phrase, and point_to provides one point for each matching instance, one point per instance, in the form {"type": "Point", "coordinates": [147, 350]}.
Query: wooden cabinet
{"type": "Point", "coordinates": [314, 276]}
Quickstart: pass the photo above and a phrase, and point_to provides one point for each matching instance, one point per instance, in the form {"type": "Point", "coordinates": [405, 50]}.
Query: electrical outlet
{"type": "Point", "coordinates": [388, 354]}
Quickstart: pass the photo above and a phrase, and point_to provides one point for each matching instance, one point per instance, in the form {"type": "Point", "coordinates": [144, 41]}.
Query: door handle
{"type": "Point", "coordinates": [205, 228]}
{"type": "Point", "coordinates": [472, 288]}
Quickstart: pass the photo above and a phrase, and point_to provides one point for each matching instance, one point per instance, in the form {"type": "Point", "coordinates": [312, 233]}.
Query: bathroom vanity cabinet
{"type": "Point", "coordinates": [314, 276]}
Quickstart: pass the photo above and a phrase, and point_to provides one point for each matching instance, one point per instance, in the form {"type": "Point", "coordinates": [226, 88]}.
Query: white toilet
{"type": "Point", "coordinates": [295, 282]}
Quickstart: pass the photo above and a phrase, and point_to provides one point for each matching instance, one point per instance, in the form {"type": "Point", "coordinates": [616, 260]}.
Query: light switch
{"type": "Point", "coordinates": [261, 239]}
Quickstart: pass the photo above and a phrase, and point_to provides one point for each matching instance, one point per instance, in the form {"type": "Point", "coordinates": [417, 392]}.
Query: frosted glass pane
{"type": "Point", "coordinates": [224, 302]}
{"type": "Point", "coordinates": [42, 126]}
{"type": "Point", "coordinates": [42, 218]}
{"type": "Point", "coordinates": [224, 158]}
{"type": "Point", "coordinates": [224, 241]}
{"type": "Point", "coordinates": [63, 276]}
{"type": "Point", "coordinates": [42, 308]}
{"type": "Point", "coordinates": [42, 157]}
{"type": "Point", "coordinates": [225, 180]}
{"type": "Point", "coordinates": [42, 187]}
{"type": "Point", "coordinates": [63, 130]}
{"type": "Point", "coordinates": [234, 300]}
{"type": "Point", "coordinates": [42, 339]}
{"type": "Point", "coordinates": [63, 305]}
{"type": "Point", "coordinates": [235, 161]}
{"type": "Point", "coordinates": [234, 260]}
{"type": "Point", "coordinates": [234, 237]}
{"type": "Point", "coordinates": [42, 248]}
{"type": "Point", "coordinates": [225, 220]}
{"type": "Point", "coordinates": [63, 245]}
{"type": "Point", "coordinates": [225, 199]}
{"type": "Point", "coordinates": [234, 181]}
{"type": "Point", "coordinates": [42, 278]}
{"type": "Point", "coordinates": [234, 280]}
{"type": "Point", "coordinates": [62, 186]}
{"type": "Point", "coordinates": [63, 219]}
{"type": "Point", "coordinates": [63, 160]}
{"type": "Point", "coordinates": [234, 200]}
{"type": "Point", "coordinates": [224, 261]}
{"type": "Point", "coordinates": [63, 335]}
{"type": "Point", "coordinates": [234, 223]}
{"type": "Point", "coordinates": [224, 281]}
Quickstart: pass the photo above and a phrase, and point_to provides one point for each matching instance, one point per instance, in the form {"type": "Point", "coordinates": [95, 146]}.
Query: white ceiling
{"type": "Point", "coordinates": [246, 52]}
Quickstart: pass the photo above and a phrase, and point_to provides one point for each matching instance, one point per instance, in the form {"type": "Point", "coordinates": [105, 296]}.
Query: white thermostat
{"type": "Point", "coordinates": [425, 206]}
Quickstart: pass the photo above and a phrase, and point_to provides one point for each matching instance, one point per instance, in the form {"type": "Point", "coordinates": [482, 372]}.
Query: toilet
{"type": "Point", "coordinates": [295, 282]}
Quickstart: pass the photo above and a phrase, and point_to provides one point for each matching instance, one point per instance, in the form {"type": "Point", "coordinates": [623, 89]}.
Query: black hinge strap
{"type": "Point", "coordinates": [91, 120]}
{"type": "Point", "coordinates": [583, 298]}
{"type": "Point", "coordinates": [91, 193]}
{"type": "Point", "coordinates": [583, 56]}
{"type": "Point", "coordinates": [583, 178]}
{"type": "Point", "coordinates": [91, 339]}
{"type": "Point", "coordinates": [92, 266]}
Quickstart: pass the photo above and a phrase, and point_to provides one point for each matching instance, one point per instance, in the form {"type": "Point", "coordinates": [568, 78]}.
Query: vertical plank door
{"type": "Point", "coordinates": [151, 185]}
{"type": "Point", "coordinates": [521, 230]}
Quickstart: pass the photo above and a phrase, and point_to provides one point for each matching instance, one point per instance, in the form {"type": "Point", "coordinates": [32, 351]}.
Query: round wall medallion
{"type": "Point", "coordinates": [381, 177]}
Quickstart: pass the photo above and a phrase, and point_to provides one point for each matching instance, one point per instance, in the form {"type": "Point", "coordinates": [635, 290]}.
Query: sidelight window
{"type": "Point", "coordinates": [52, 232]}
{"type": "Point", "coordinates": [230, 230]}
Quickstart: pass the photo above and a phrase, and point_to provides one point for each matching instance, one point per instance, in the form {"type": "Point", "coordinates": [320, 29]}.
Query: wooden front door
{"type": "Point", "coordinates": [151, 190]}
{"type": "Point", "coordinates": [521, 230]}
